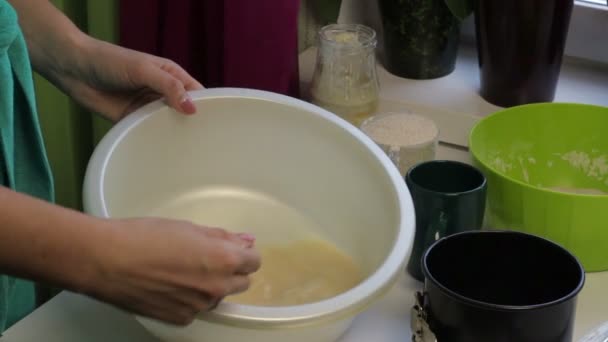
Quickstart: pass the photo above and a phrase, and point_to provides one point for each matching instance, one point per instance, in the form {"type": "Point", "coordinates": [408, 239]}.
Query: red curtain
{"type": "Point", "coordinates": [231, 43]}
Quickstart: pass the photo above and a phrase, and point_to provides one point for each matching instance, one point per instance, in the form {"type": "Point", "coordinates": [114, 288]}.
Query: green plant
{"type": "Point", "coordinates": [326, 11]}
{"type": "Point", "coordinates": [460, 8]}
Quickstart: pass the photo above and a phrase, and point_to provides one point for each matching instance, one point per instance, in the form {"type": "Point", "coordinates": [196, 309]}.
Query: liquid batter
{"type": "Point", "coordinates": [298, 264]}
{"type": "Point", "coordinates": [300, 272]}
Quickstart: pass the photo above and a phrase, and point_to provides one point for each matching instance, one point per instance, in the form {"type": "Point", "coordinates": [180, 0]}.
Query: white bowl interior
{"type": "Point", "coordinates": [280, 168]}
{"type": "Point", "coordinates": [253, 165]}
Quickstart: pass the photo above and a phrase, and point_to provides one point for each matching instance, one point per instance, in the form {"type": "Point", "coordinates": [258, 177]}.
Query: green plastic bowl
{"type": "Point", "coordinates": [526, 152]}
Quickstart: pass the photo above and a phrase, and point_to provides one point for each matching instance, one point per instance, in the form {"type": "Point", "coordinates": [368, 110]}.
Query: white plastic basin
{"type": "Point", "coordinates": [263, 163]}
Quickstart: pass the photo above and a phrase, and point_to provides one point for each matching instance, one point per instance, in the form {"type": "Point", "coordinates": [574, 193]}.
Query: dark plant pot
{"type": "Point", "coordinates": [520, 46]}
{"type": "Point", "coordinates": [326, 11]}
{"type": "Point", "coordinates": [420, 38]}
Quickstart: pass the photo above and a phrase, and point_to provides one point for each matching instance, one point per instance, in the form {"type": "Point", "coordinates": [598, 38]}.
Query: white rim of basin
{"type": "Point", "coordinates": [339, 307]}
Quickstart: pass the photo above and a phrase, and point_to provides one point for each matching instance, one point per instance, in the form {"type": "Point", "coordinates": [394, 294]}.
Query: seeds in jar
{"type": "Point", "coordinates": [406, 138]}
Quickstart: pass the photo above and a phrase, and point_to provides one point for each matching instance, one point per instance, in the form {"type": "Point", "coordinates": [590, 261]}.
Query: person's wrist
{"type": "Point", "coordinates": [94, 264]}
{"type": "Point", "coordinates": [66, 55]}
{"type": "Point", "coordinates": [81, 49]}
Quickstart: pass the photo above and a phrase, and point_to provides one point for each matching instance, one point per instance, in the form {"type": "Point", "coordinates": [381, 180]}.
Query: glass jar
{"type": "Point", "coordinates": [407, 139]}
{"type": "Point", "coordinates": [345, 80]}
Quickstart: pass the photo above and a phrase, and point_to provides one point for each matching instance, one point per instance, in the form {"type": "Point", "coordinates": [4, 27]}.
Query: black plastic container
{"type": "Point", "coordinates": [500, 286]}
{"type": "Point", "coordinates": [520, 46]}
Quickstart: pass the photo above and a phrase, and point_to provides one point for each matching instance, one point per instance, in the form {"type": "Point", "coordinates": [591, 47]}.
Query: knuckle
{"type": "Point", "coordinates": [173, 319]}
{"type": "Point", "coordinates": [256, 261]}
{"type": "Point", "coordinates": [166, 63]}
{"type": "Point", "coordinates": [217, 290]}
{"type": "Point", "coordinates": [218, 232]}
{"type": "Point", "coordinates": [230, 261]}
{"type": "Point", "coordinates": [243, 285]}
{"type": "Point", "coordinates": [222, 258]}
{"type": "Point", "coordinates": [139, 69]}
{"type": "Point", "coordinates": [185, 316]}
{"type": "Point", "coordinates": [214, 304]}
{"type": "Point", "coordinates": [174, 85]}
{"type": "Point", "coordinates": [185, 321]}
{"type": "Point", "coordinates": [199, 305]}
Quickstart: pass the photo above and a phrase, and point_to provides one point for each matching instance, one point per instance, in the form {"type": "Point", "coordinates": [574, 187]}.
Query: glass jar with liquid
{"type": "Point", "coordinates": [345, 80]}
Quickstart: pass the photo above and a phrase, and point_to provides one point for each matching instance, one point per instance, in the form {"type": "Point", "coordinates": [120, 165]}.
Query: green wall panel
{"type": "Point", "coordinates": [70, 132]}
{"type": "Point", "coordinates": [102, 17]}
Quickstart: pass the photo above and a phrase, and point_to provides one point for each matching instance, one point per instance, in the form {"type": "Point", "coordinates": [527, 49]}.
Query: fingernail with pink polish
{"type": "Point", "coordinates": [186, 105]}
{"type": "Point", "coordinates": [246, 237]}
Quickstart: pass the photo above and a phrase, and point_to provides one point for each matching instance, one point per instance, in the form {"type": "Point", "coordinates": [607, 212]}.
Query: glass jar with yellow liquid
{"type": "Point", "coordinates": [345, 80]}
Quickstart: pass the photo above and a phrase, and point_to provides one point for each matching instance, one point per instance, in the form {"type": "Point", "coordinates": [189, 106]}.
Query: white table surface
{"type": "Point", "coordinates": [74, 318]}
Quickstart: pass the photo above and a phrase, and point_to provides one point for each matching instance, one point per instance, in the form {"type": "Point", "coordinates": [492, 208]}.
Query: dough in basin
{"type": "Point", "coordinates": [300, 272]}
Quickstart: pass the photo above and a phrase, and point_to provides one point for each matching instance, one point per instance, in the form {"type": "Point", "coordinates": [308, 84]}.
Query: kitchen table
{"type": "Point", "coordinates": [74, 318]}
{"type": "Point", "coordinates": [71, 317]}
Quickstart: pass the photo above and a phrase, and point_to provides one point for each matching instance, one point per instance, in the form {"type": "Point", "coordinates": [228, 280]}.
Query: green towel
{"type": "Point", "coordinates": [24, 166]}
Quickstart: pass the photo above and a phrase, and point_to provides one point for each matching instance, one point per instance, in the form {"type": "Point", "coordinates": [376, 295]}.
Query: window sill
{"type": "Point", "coordinates": [453, 101]}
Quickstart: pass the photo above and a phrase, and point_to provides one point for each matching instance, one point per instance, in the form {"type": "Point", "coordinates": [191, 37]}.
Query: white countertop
{"type": "Point", "coordinates": [458, 92]}
{"type": "Point", "coordinates": [74, 318]}
{"type": "Point", "coordinates": [454, 104]}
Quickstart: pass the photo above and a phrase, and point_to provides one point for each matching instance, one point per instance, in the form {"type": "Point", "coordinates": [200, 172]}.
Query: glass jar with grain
{"type": "Point", "coordinates": [345, 80]}
{"type": "Point", "coordinates": [407, 138]}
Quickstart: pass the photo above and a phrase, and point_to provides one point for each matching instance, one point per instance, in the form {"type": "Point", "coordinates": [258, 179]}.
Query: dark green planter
{"type": "Point", "coordinates": [420, 38]}
{"type": "Point", "coordinates": [326, 11]}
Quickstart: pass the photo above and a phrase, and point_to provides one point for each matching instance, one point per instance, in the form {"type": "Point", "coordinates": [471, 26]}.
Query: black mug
{"type": "Point", "coordinates": [449, 197]}
{"type": "Point", "coordinates": [499, 286]}
{"type": "Point", "coordinates": [520, 45]}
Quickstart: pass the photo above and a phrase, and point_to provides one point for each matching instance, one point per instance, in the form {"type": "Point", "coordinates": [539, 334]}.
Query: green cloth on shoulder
{"type": "Point", "coordinates": [24, 166]}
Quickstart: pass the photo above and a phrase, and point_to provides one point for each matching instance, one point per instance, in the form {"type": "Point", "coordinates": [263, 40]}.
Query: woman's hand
{"type": "Point", "coordinates": [115, 81]}
{"type": "Point", "coordinates": [165, 269]}
{"type": "Point", "coordinates": [105, 78]}
{"type": "Point", "coordinates": [171, 270]}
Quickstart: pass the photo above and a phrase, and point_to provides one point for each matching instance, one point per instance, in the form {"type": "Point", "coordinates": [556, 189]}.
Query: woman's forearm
{"type": "Point", "coordinates": [52, 39]}
{"type": "Point", "coordinates": [45, 242]}
{"type": "Point", "coordinates": [105, 78]}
